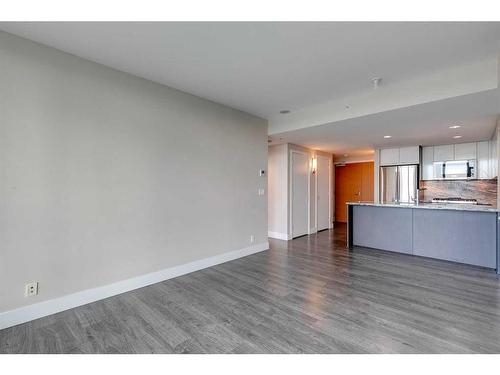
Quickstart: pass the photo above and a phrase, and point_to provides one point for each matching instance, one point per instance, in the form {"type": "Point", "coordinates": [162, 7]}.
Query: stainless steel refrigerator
{"type": "Point", "coordinates": [399, 184]}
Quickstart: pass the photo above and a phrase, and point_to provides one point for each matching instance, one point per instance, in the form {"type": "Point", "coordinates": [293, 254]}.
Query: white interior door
{"type": "Point", "coordinates": [323, 193]}
{"type": "Point", "coordinates": [300, 194]}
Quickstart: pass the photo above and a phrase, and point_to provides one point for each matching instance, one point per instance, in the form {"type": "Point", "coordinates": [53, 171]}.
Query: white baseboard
{"type": "Point", "coordinates": [39, 310]}
{"type": "Point", "coordinates": [279, 236]}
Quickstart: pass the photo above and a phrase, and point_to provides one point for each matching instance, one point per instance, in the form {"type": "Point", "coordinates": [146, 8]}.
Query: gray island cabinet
{"type": "Point", "coordinates": [464, 234]}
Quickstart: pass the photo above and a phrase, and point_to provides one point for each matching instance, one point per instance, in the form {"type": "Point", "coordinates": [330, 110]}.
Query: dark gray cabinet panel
{"type": "Point", "coordinates": [383, 228]}
{"type": "Point", "coordinates": [459, 236]}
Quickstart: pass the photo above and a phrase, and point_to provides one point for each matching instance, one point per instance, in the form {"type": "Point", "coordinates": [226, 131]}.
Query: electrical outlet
{"type": "Point", "coordinates": [31, 289]}
{"type": "Point", "coordinates": [261, 191]}
{"type": "Point", "coordinates": [252, 239]}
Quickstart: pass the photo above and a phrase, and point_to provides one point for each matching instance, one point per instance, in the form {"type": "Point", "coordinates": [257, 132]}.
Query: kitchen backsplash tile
{"type": "Point", "coordinates": [485, 191]}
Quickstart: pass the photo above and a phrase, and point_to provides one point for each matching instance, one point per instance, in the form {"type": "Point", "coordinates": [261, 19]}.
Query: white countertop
{"type": "Point", "coordinates": [431, 206]}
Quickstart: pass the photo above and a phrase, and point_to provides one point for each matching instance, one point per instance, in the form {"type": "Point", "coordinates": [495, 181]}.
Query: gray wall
{"type": "Point", "coordinates": [105, 176]}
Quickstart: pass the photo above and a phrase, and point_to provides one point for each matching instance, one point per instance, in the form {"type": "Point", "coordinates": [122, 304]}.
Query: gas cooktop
{"type": "Point", "coordinates": [454, 200]}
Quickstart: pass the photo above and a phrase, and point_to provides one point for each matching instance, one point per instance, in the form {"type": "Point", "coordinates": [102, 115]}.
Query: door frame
{"type": "Point", "coordinates": [290, 200]}
{"type": "Point", "coordinates": [330, 221]}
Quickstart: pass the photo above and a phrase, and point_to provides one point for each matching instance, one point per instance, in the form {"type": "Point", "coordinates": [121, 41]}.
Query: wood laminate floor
{"type": "Point", "coordinates": [309, 295]}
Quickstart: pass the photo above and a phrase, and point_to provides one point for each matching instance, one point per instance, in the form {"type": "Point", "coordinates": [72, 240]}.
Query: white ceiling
{"type": "Point", "coordinates": [263, 68]}
{"type": "Point", "coordinates": [425, 124]}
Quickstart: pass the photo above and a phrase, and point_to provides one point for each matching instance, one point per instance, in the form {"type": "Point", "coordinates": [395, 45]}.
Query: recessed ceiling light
{"type": "Point", "coordinates": [387, 136]}
{"type": "Point", "coordinates": [457, 136]}
{"type": "Point", "coordinates": [454, 126]}
{"type": "Point", "coordinates": [284, 111]}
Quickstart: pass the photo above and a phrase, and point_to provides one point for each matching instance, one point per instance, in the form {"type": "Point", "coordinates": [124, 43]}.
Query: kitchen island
{"type": "Point", "coordinates": [455, 232]}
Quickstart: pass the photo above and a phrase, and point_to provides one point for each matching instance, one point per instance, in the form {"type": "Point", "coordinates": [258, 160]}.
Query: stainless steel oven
{"type": "Point", "coordinates": [455, 170]}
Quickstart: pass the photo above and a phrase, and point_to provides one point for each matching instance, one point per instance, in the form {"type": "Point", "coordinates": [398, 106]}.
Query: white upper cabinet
{"type": "Point", "coordinates": [444, 153]}
{"type": "Point", "coordinates": [482, 152]}
{"type": "Point", "coordinates": [403, 155]}
{"type": "Point", "coordinates": [389, 156]}
{"type": "Point", "coordinates": [483, 160]}
{"type": "Point", "coordinates": [409, 155]}
{"type": "Point", "coordinates": [493, 158]}
{"type": "Point", "coordinates": [465, 151]}
{"type": "Point", "coordinates": [427, 163]}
